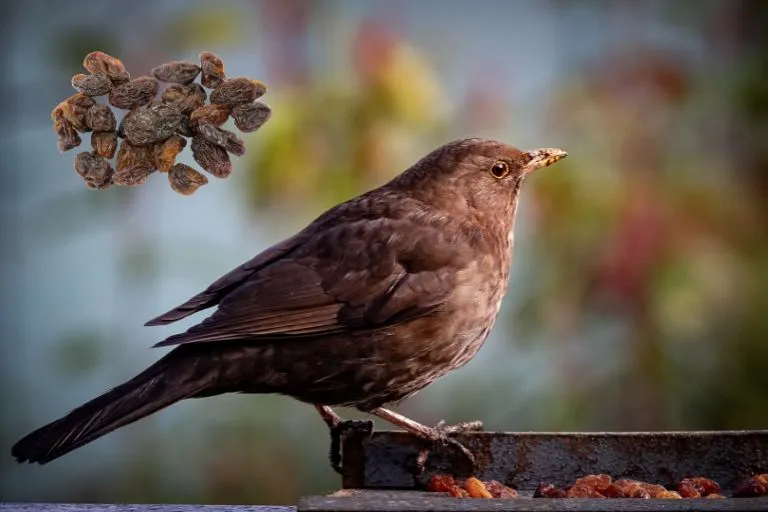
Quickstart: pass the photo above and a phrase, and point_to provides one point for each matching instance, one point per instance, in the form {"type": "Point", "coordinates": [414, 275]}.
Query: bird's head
{"type": "Point", "coordinates": [476, 177]}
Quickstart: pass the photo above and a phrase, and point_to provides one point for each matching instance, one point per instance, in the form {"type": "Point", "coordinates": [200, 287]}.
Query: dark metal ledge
{"type": "Point", "coordinates": [385, 460]}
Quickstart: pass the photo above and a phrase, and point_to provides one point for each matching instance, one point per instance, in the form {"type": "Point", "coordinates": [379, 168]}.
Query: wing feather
{"type": "Point", "coordinates": [353, 277]}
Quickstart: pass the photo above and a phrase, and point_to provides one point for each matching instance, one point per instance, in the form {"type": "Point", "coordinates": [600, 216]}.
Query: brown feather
{"type": "Point", "coordinates": [297, 296]}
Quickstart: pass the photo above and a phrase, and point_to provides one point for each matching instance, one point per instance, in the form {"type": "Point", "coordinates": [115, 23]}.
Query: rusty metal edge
{"type": "Point", "coordinates": [355, 447]}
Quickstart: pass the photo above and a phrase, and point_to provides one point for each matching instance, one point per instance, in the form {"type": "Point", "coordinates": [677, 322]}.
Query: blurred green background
{"type": "Point", "coordinates": [639, 294]}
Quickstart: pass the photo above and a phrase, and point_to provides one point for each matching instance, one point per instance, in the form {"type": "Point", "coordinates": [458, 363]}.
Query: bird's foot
{"type": "Point", "coordinates": [442, 434]}
{"type": "Point", "coordinates": [346, 427]}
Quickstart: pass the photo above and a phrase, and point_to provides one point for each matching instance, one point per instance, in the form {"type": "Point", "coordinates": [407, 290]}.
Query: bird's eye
{"type": "Point", "coordinates": [499, 170]}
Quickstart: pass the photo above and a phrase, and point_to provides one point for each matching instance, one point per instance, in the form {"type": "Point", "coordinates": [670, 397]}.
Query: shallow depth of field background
{"type": "Point", "coordinates": [639, 294]}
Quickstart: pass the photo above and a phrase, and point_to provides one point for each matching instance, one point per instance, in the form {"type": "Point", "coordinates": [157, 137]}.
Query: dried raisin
{"type": "Point", "coordinates": [476, 488]}
{"type": "Point", "coordinates": [94, 169]}
{"type": "Point", "coordinates": [213, 113]}
{"type": "Point", "coordinates": [211, 157]}
{"type": "Point", "coordinates": [614, 491]}
{"type": "Point", "coordinates": [166, 152]}
{"type": "Point", "coordinates": [104, 143]}
{"type": "Point", "coordinates": [134, 164]}
{"type": "Point", "coordinates": [755, 486]}
{"type": "Point", "coordinates": [249, 117]}
{"type": "Point", "coordinates": [223, 138]}
{"type": "Point", "coordinates": [213, 70]}
{"type": "Point", "coordinates": [135, 93]}
{"type": "Point", "coordinates": [446, 483]}
{"type": "Point", "coordinates": [440, 483]}
{"type": "Point", "coordinates": [697, 485]}
{"type": "Point", "coordinates": [597, 482]}
{"type": "Point", "coordinates": [185, 98]}
{"type": "Point", "coordinates": [133, 176]}
{"type": "Point", "coordinates": [583, 491]}
{"type": "Point", "coordinates": [67, 137]}
{"type": "Point", "coordinates": [74, 109]}
{"type": "Point", "coordinates": [238, 90]}
{"type": "Point", "coordinates": [638, 492]}
{"type": "Point", "coordinates": [185, 180]}
{"type": "Point", "coordinates": [177, 72]}
{"type": "Point", "coordinates": [499, 490]}
{"type": "Point", "coordinates": [546, 490]}
{"type": "Point", "coordinates": [147, 125]}
{"type": "Point", "coordinates": [91, 85]}
{"type": "Point", "coordinates": [100, 118]}
{"type": "Point", "coordinates": [99, 63]}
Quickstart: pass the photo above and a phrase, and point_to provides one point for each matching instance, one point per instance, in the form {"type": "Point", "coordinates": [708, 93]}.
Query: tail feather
{"type": "Point", "coordinates": [169, 380]}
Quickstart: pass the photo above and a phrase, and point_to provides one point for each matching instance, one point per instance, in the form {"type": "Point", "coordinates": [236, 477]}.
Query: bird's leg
{"type": "Point", "coordinates": [337, 425]}
{"type": "Point", "coordinates": [441, 433]}
{"type": "Point", "coordinates": [329, 417]}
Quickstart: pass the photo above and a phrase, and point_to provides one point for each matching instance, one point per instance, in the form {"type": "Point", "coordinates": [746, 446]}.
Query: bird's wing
{"type": "Point", "coordinates": [225, 284]}
{"type": "Point", "coordinates": [357, 276]}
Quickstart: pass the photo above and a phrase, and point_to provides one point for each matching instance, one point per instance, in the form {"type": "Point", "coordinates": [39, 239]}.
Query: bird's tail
{"type": "Point", "coordinates": [173, 378]}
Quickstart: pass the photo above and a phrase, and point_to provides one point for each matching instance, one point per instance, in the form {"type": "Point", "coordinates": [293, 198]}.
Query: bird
{"type": "Point", "coordinates": [374, 300]}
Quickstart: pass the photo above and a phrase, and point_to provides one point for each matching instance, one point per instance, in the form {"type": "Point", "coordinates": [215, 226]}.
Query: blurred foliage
{"type": "Point", "coordinates": [641, 277]}
{"type": "Point", "coordinates": [346, 134]}
{"type": "Point", "coordinates": [202, 27]}
{"type": "Point", "coordinates": [663, 235]}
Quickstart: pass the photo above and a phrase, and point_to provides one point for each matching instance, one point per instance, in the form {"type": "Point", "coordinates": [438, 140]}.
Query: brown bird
{"type": "Point", "coordinates": [370, 303]}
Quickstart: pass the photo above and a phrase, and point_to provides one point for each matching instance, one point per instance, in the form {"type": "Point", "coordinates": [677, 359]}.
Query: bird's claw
{"type": "Point", "coordinates": [459, 428]}
{"type": "Point", "coordinates": [348, 427]}
{"type": "Point", "coordinates": [442, 434]}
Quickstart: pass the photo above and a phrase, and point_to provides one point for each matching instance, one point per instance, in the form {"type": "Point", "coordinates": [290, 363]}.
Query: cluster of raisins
{"type": "Point", "coordinates": [601, 486]}
{"type": "Point", "coordinates": [470, 488]}
{"type": "Point", "coordinates": [154, 132]}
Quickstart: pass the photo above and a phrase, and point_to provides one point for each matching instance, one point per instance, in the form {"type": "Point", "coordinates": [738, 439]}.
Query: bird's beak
{"type": "Point", "coordinates": [544, 157]}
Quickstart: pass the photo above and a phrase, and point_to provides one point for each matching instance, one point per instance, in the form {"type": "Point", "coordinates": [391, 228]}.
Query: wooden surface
{"type": "Point", "coordinates": [95, 507]}
{"type": "Point", "coordinates": [414, 501]}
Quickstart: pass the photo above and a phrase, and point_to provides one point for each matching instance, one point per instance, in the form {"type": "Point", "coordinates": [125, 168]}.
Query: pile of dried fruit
{"type": "Point", "coordinates": [470, 488]}
{"type": "Point", "coordinates": [754, 487]}
{"type": "Point", "coordinates": [153, 132]}
{"type": "Point", "coordinates": [600, 486]}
